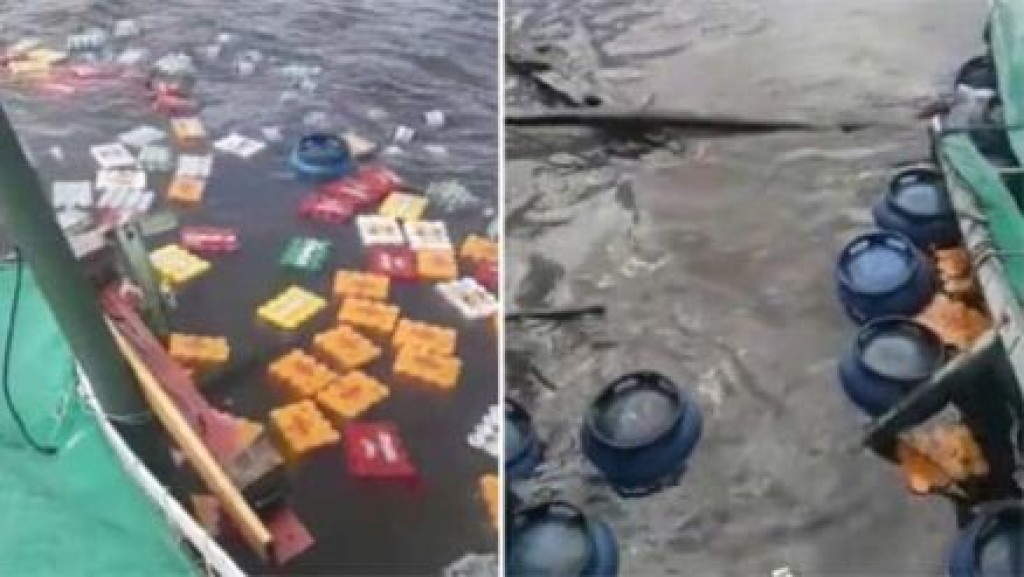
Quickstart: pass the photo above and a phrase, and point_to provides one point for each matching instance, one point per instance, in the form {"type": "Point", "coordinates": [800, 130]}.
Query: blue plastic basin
{"type": "Point", "coordinates": [523, 451]}
{"type": "Point", "coordinates": [889, 358]}
{"type": "Point", "coordinates": [321, 157]}
{"type": "Point", "coordinates": [917, 205]}
{"type": "Point", "coordinates": [557, 539]}
{"type": "Point", "coordinates": [881, 274]}
{"type": "Point", "coordinates": [640, 431]}
{"type": "Point", "coordinates": [992, 545]}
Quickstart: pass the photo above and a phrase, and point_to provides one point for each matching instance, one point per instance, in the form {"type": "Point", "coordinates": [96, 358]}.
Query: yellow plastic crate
{"type": "Point", "coordinates": [365, 285]}
{"type": "Point", "coordinates": [292, 308]}
{"type": "Point", "coordinates": [477, 249]}
{"type": "Point", "coordinates": [346, 347]}
{"type": "Point", "coordinates": [352, 395]}
{"type": "Point", "coordinates": [188, 130]}
{"type": "Point", "coordinates": [302, 428]}
{"type": "Point", "coordinates": [426, 336]}
{"type": "Point", "coordinates": [186, 190]}
{"type": "Point", "coordinates": [407, 207]}
{"type": "Point", "coordinates": [176, 265]}
{"type": "Point", "coordinates": [427, 367]}
{"type": "Point", "coordinates": [301, 375]}
{"type": "Point", "coordinates": [374, 317]}
{"type": "Point", "coordinates": [197, 351]}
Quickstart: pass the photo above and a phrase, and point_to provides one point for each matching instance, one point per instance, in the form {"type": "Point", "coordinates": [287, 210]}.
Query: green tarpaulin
{"type": "Point", "coordinates": [77, 512]}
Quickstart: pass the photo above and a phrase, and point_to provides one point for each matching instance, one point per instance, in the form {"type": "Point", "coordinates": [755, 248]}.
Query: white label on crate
{"type": "Point", "coordinates": [195, 166]}
{"type": "Point", "coordinates": [379, 230]}
{"type": "Point", "coordinates": [428, 234]}
{"type": "Point", "coordinates": [113, 155]}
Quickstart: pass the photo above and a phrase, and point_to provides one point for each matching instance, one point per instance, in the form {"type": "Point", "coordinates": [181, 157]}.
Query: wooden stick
{"type": "Point", "coordinates": [252, 528]}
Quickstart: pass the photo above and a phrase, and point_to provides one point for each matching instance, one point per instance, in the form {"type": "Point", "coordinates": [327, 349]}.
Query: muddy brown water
{"type": "Point", "coordinates": [384, 64]}
{"type": "Point", "coordinates": [715, 259]}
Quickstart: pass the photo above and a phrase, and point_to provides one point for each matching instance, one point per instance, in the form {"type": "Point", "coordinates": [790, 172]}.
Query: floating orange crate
{"type": "Point", "coordinates": [346, 347]}
{"type": "Point", "coordinates": [436, 265]}
{"type": "Point", "coordinates": [302, 427]}
{"type": "Point", "coordinates": [490, 490]}
{"type": "Point", "coordinates": [198, 351]}
{"type": "Point", "coordinates": [188, 130]}
{"type": "Point", "coordinates": [477, 249]}
{"type": "Point", "coordinates": [187, 190]}
{"type": "Point", "coordinates": [374, 317]}
{"type": "Point", "coordinates": [300, 374]}
{"type": "Point", "coordinates": [428, 367]}
{"type": "Point", "coordinates": [352, 395]}
{"type": "Point", "coordinates": [366, 285]}
{"type": "Point", "coordinates": [423, 335]}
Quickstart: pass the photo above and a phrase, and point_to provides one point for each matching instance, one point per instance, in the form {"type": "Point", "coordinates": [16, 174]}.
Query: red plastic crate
{"type": "Point", "coordinates": [209, 239]}
{"type": "Point", "coordinates": [332, 209]}
{"type": "Point", "coordinates": [352, 191]}
{"type": "Point", "coordinates": [488, 274]}
{"type": "Point", "coordinates": [375, 450]}
{"type": "Point", "coordinates": [381, 181]}
{"type": "Point", "coordinates": [396, 262]}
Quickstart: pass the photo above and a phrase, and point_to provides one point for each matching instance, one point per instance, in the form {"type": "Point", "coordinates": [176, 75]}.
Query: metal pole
{"type": "Point", "coordinates": [33, 226]}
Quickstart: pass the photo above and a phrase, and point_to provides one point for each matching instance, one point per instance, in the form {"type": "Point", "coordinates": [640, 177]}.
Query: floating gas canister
{"type": "Point", "coordinates": [350, 283]}
{"type": "Point", "coordinates": [394, 262]}
{"type": "Point", "coordinates": [374, 450]}
{"type": "Point", "coordinates": [326, 209]}
{"type": "Point", "coordinates": [209, 239]}
{"type": "Point", "coordinates": [320, 157]}
{"type": "Point", "coordinates": [917, 205]}
{"type": "Point", "coordinates": [436, 265]}
{"type": "Point", "coordinates": [640, 431]}
{"type": "Point", "coordinates": [301, 375]}
{"type": "Point", "coordinates": [346, 348]}
{"type": "Point", "coordinates": [556, 538]}
{"type": "Point", "coordinates": [351, 191]}
{"type": "Point", "coordinates": [301, 428]}
{"type": "Point", "coordinates": [992, 544]}
{"type": "Point", "coordinates": [406, 207]}
{"type": "Point", "coordinates": [374, 317]}
{"type": "Point", "coordinates": [291, 308]}
{"type": "Point", "coordinates": [523, 451]}
{"type": "Point", "coordinates": [381, 181]}
{"type": "Point", "coordinates": [177, 265]}
{"type": "Point", "coordinates": [424, 336]}
{"type": "Point", "coordinates": [352, 395]}
{"type": "Point", "coordinates": [888, 359]}
{"type": "Point", "coordinates": [306, 254]}
{"type": "Point", "coordinates": [882, 274]}
{"type": "Point", "coordinates": [197, 351]}
{"type": "Point", "coordinates": [428, 367]}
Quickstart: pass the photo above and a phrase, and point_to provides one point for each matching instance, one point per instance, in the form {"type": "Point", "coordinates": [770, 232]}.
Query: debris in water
{"type": "Point", "coordinates": [486, 435]}
{"type": "Point", "coordinates": [113, 155]}
{"type": "Point", "coordinates": [374, 450]}
{"type": "Point", "coordinates": [469, 298]}
{"type": "Point", "coordinates": [175, 64]}
{"type": "Point", "coordinates": [300, 374]}
{"type": "Point", "coordinates": [428, 368]}
{"type": "Point", "coordinates": [364, 285]}
{"type": "Point", "coordinates": [346, 348]}
{"type": "Point", "coordinates": [436, 265]}
{"type": "Point", "coordinates": [68, 194]}
{"type": "Point", "coordinates": [91, 39]}
{"type": "Point", "coordinates": [126, 29]}
{"type": "Point", "coordinates": [141, 136]}
{"type": "Point", "coordinates": [239, 145]}
{"type": "Point", "coordinates": [473, 565]}
{"type": "Point", "coordinates": [437, 150]}
{"type": "Point", "coordinates": [132, 56]}
{"type": "Point", "coordinates": [272, 133]}
{"type": "Point", "coordinates": [198, 351]}
{"type": "Point", "coordinates": [186, 190]}
{"type": "Point", "coordinates": [428, 235]}
{"type": "Point", "coordinates": [451, 196]}
{"type": "Point", "coordinates": [434, 118]}
{"type": "Point", "coordinates": [424, 336]}
{"type": "Point", "coordinates": [359, 146]}
{"type": "Point", "coordinates": [403, 134]}
{"type": "Point", "coordinates": [377, 318]}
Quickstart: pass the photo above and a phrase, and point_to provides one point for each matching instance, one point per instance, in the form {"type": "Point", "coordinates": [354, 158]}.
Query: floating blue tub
{"type": "Point", "coordinates": [640, 431]}
{"type": "Point", "coordinates": [889, 358]}
{"type": "Point", "coordinates": [992, 545]}
{"type": "Point", "coordinates": [523, 451]}
{"type": "Point", "coordinates": [882, 274]}
{"type": "Point", "coordinates": [918, 206]}
{"type": "Point", "coordinates": [321, 157]}
{"type": "Point", "coordinates": [557, 539]}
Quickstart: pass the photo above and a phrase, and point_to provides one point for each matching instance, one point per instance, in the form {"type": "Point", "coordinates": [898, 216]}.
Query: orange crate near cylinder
{"type": "Point", "coordinates": [352, 395]}
{"type": "Point", "coordinates": [477, 249]}
{"type": "Point", "coordinates": [302, 428]}
{"type": "Point", "coordinates": [199, 352]}
{"type": "Point", "coordinates": [427, 367]}
{"type": "Point", "coordinates": [300, 374]}
{"type": "Point", "coordinates": [364, 285]}
{"type": "Point", "coordinates": [345, 347]}
{"type": "Point", "coordinates": [490, 490]}
{"type": "Point", "coordinates": [376, 318]}
{"type": "Point", "coordinates": [424, 335]}
{"type": "Point", "coordinates": [436, 265]}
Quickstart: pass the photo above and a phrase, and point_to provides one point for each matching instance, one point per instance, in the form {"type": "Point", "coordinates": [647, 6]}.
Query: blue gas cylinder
{"type": "Point", "coordinates": [882, 274]}
{"type": "Point", "coordinates": [917, 205]}
{"type": "Point", "coordinates": [640, 431]}
{"type": "Point", "coordinates": [992, 544]}
{"type": "Point", "coordinates": [523, 451]}
{"type": "Point", "coordinates": [556, 538]}
{"type": "Point", "coordinates": [320, 157]}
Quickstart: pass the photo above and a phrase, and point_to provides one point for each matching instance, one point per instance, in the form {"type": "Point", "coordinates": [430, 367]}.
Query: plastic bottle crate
{"type": "Point", "coordinates": [490, 491]}
{"type": "Point", "coordinates": [428, 234]}
{"type": "Point", "coordinates": [301, 375]}
{"type": "Point", "coordinates": [351, 191]}
{"type": "Point", "coordinates": [291, 308]}
{"type": "Point", "coordinates": [488, 274]}
{"type": "Point", "coordinates": [328, 209]}
{"type": "Point", "coordinates": [302, 428]}
{"type": "Point", "coordinates": [425, 336]}
{"type": "Point", "coordinates": [428, 367]}
{"type": "Point", "coordinates": [376, 318]}
{"type": "Point", "coordinates": [186, 189]}
{"type": "Point", "coordinates": [199, 352]}
{"type": "Point", "coordinates": [477, 250]}
{"type": "Point", "coordinates": [346, 348]}
{"type": "Point", "coordinates": [394, 262]}
{"type": "Point", "coordinates": [209, 239]}
{"type": "Point", "coordinates": [348, 283]}
{"type": "Point", "coordinates": [177, 265]}
{"type": "Point", "coordinates": [381, 181]}
{"type": "Point", "coordinates": [374, 450]}
{"type": "Point", "coordinates": [375, 230]}
{"type": "Point", "coordinates": [306, 254]}
{"type": "Point", "coordinates": [352, 395]}
{"type": "Point", "coordinates": [407, 207]}
{"type": "Point", "coordinates": [436, 265]}
{"type": "Point", "coordinates": [188, 131]}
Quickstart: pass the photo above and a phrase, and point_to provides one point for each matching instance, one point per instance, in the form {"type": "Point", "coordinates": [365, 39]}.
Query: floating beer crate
{"type": "Point", "coordinates": [209, 239]}
{"type": "Point", "coordinates": [328, 209]}
{"type": "Point", "coordinates": [301, 375]}
{"type": "Point", "coordinates": [377, 230]}
{"type": "Point", "coordinates": [395, 262]}
{"type": "Point", "coordinates": [381, 181]}
{"type": "Point", "coordinates": [292, 308]}
{"type": "Point", "coordinates": [428, 235]}
{"type": "Point", "coordinates": [302, 428]}
{"type": "Point", "coordinates": [186, 190]}
{"type": "Point", "coordinates": [436, 265]}
{"type": "Point", "coordinates": [306, 254]}
{"type": "Point", "coordinates": [490, 491]}
{"type": "Point", "coordinates": [197, 351]}
{"type": "Point", "coordinates": [425, 336]}
{"type": "Point", "coordinates": [188, 130]}
{"type": "Point", "coordinates": [352, 395]}
{"type": "Point", "coordinates": [177, 265]}
{"type": "Point", "coordinates": [348, 283]}
{"type": "Point", "coordinates": [428, 367]}
{"type": "Point", "coordinates": [374, 317]}
{"type": "Point", "coordinates": [352, 192]}
{"type": "Point", "coordinates": [470, 298]}
{"type": "Point", "coordinates": [346, 348]}
{"type": "Point", "coordinates": [374, 450]}
{"type": "Point", "coordinates": [407, 207]}
{"type": "Point", "coordinates": [479, 250]}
